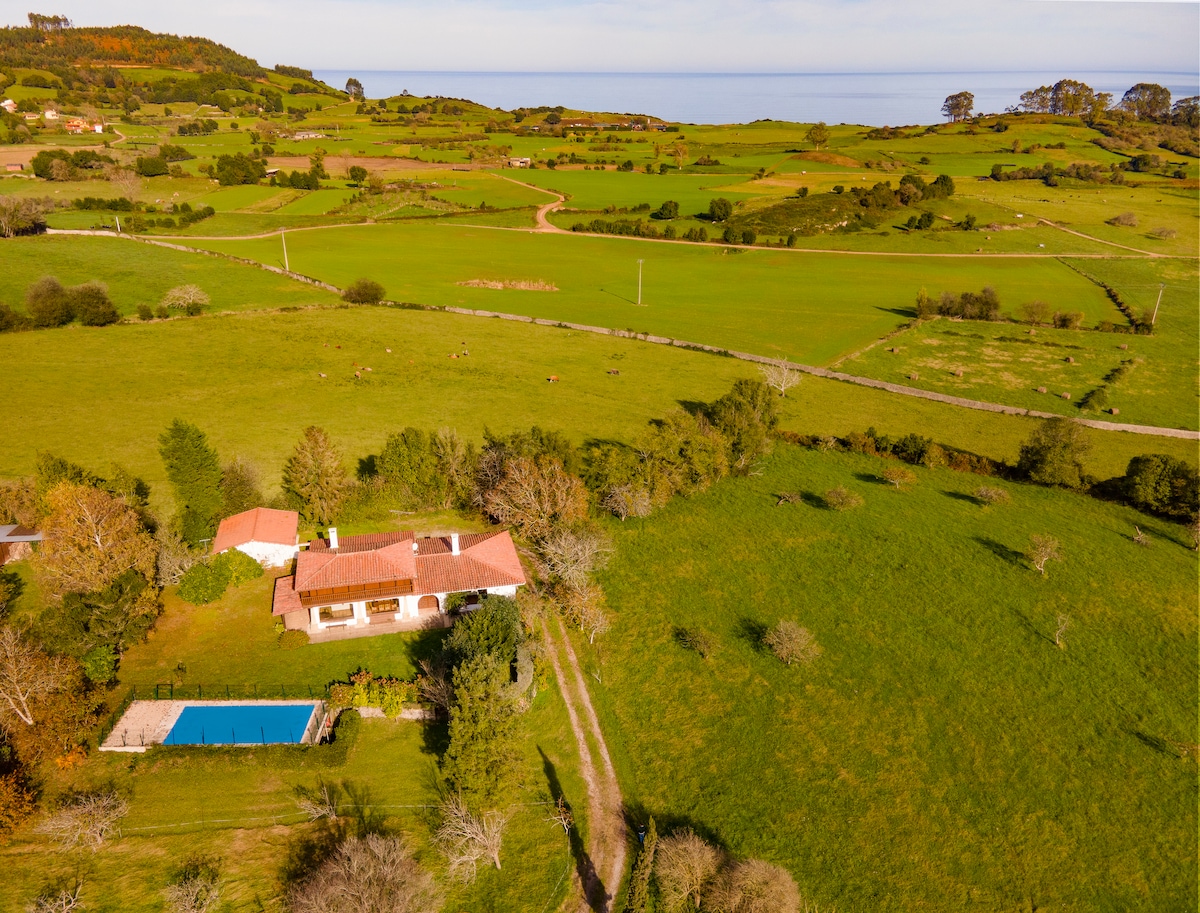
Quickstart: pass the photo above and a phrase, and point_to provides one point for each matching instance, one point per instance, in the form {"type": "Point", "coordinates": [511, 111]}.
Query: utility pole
{"type": "Point", "coordinates": [640, 262]}
{"type": "Point", "coordinates": [1154, 317]}
{"type": "Point", "coordinates": [283, 238]}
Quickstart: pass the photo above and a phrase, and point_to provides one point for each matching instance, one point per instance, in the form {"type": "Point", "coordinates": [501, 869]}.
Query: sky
{"type": "Point", "coordinates": [718, 36]}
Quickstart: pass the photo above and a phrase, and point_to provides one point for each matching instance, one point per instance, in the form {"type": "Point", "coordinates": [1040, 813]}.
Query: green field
{"type": "Point", "coordinates": [942, 753]}
{"type": "Point", "coordinates": [808, 307]}
{"type": "Point", "coordinates": [142, 274]}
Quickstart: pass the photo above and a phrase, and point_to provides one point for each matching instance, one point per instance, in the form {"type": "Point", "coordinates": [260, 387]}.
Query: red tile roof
{"type": "Point", "coordinates": [485, 561]}
{"type": "Point", "coordinates": [262, 524]}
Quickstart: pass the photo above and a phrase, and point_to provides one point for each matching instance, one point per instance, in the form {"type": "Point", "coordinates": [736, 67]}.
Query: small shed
{"type": "Point", "coordinates": [268, 536]}
{"type": "Point", "coordinates": [16, 542]}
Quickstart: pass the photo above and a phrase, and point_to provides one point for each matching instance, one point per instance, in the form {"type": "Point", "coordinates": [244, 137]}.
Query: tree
{"type": "Point", "coordinates": [958, 106]}
{"type": "Point", "coordinates": [195, 473]}
{"type": "Point", "coordinates": [987, 495]}
{"type": "Point", "coordinates": [17, 803]}
{"type": "Point", "coordinates": [1053, 454]}
{"type": "Point", "coordinates": [792, 643]}
{"type": "Point", "coordinates": [1148, 101]}
{"type": "Point", "coordinates": [719, 209]}
{"type": "Point", "coordinates": [86, 820]}
{"type": "Point", "coordinates": [47, 303]}
{"type": "Point", "coordinates": [534, 495]}
{"type": "Point", "coordinates": [483, 749]}
{"type": "Point", "coordinates": [570, 554]}
{"type": "Point", "coordinates": [126, 183]}
{"type": "Point", "coordinates": [371, 874]}
{"type": "Point", "coordinates": [899, 476]}
{"type": "Point", "coordinates": [363, 291]}
{"type": "Point", "coordinates": [668, 210]}
{"type": "Point", "coordinates": [185, 298]}
{"type": "Point", "coordinates": [26, 674]}
{"type": "Point", "coordinates": [780, 377]}
{"type": "Point", "coordinates": [745, 417]}
{"type": "Point", "coordinates": [354, 89]}
{"type": "Point", "coordinates": [240, 489]}
{"type": "Point", "coordinates": [91, 304]}
{"type": "Point", "coordinates": [21, 216]}
{"type": "Point", "coordinates": [91, 539]}
{"type": "Point", "coordinates": [638, 899]}
{"type": "Point", "coordinates": [1162, 484]}
{"type": "Point", "coordinates": [468, 838]}
{"type": "Point", "coordinates": [684, 866]}
{"type": "Point", "coordinates": [1042, 549]}
{"type": "Point", "coordinates": [357, 174]}
{"type": "Point", "coordinates": [315, 477]}
{"type": "Point", "coordinates": [1035, 312]}
{"type": "Point", "coordinates": [1071, 98]}
{"type": "Point", "coordinates": [59, 899]}
{"type": "Point", "coordinates": [818, 135]}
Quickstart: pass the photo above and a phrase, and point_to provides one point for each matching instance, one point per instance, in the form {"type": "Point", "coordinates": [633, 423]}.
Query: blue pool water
{"type": "Point", "coordinates": [241, 724]}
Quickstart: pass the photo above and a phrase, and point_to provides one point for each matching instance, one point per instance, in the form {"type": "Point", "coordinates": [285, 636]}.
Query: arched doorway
{"type": "Point", "coordinates": [427, 605]}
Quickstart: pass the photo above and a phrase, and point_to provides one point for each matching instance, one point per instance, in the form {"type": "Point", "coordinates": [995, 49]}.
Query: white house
{"type": "Point", "coordinates": [9, 105]}
{"type": "Point", "coordinates": [268, 536]}
{"type": "Point", "coordinates": [392, 577]}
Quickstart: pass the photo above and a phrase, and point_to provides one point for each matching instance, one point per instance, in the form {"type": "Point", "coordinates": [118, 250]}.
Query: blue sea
{"type": "Point", "coordinates": [875, 99]}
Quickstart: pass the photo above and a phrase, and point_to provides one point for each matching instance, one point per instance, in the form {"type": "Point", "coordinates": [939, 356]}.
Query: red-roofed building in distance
{"type": "Point", "coordinates": [390, 578]}
{"type": "Point", "coordinates": [268, 536]}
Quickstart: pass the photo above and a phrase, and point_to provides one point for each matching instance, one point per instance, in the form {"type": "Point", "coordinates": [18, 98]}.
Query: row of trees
{"type": "Point", "coordinates": [50, 304]}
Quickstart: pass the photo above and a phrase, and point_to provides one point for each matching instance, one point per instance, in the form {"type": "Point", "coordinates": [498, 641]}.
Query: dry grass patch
{"type": "Point", "coordinates": [524, 285]}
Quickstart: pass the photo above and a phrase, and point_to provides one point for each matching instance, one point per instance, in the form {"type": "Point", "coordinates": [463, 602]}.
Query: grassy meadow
{"type": "Point", "coordinates": [941, 753]}
{"type": "Point", "coordinates": [807, 307]}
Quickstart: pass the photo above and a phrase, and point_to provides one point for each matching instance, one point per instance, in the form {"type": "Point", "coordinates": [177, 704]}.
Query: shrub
{"type": "Point", "coordinates": [237, 567]}
{"type": "Point", "coordinates": [145, 312]}
{"type": "Point", "coordinates": [698, 641]}
{"type": "Point", "coordinates": [792, 643]}
{"type": "Point", "coordinates": [184, 297]}
{"type": "Point", "coordinates": [202, 584]}
{"type": "Point", "coordinates": [1068, 320]}
{"type": "Point", "coordinates": [161, 312]}
{"type": "Point", "coordinates": [899, 476]}
{"type": "Point", "coordinates": [293, 640]}
{"type": "Point", "coordinates": [840, 498]}
{"type": "Point", "coordinates": [91, 304]}
{"type": "Point", "coordinates": [48, 303]}
{"type": "Point", "coordinates": [988, 495]}
{"type": "Point", "coordinates": [363, 291]}
{"type": "Point", "coordinates": [1125, 219]}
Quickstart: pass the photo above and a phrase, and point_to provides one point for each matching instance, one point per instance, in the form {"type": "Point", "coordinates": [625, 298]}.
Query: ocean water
{"type": "Point", "coordinates": [876, 99]}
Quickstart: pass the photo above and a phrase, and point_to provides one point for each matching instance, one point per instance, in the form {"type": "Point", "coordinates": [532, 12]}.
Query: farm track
{"type": "Point", "coordinates": [900, 389]}
{"type": "Point", "coordinates": [601, 866]}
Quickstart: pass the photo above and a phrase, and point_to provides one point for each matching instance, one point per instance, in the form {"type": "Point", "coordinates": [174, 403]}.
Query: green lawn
{"type": "Point", "coordinates": [941, 753]}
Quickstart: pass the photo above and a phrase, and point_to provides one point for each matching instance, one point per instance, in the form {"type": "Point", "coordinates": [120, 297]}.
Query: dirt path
{"type": "Point", "coordinates": [600, 867]}
{"type": "Point", "coordinates": [543, 224]}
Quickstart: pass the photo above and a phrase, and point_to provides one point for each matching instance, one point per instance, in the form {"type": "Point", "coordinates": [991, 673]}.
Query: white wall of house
{"type": "Point", "coordinates": [269, 554]}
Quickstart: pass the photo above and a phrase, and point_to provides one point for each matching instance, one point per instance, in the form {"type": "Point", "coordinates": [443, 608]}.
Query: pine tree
{"type": "Point", "coordinates": [639, 882]}
{"type": "Point", "coordinates": [479, 760]}
{"type": "Point", "coordinates": [195, 472]}
{"type": "Point", "coordinates": [315, 477]}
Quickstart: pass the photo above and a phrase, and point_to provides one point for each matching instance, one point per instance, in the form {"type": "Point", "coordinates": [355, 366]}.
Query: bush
{"type": "Point", "coordinates": [202, 584]}
{"type": "Point", "coordinates": [363, 291]}
{"type": "Point", "coordinates": [840, 498]}
{"type": "Point", "coordinates": [698, 641]}
{"type": "Point", "coordinates": [293, 640]}
{"type": "Point", "coordinates": [145, 312]}
{"type": "Point", "coordinates": [988, 495]}
{"type": "Point", "coordinates": [1068, 320]}
{"type": "Point", "coordinates": [792, 643]}
{"type": "Point", "coordinates": [367, 690]}
{"type": "Point", "coordinates": [100, 664]}
{"type": "Point", "coordinates": [91, 304]}
{"type": "Point", "coordinates": [48, 303]}
{"type": "Point", "coordinates": [237, 567]}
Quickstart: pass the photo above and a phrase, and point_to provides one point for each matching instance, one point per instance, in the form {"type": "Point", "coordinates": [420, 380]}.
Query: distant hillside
{"type": "Point", "coordinates": [55, 47]}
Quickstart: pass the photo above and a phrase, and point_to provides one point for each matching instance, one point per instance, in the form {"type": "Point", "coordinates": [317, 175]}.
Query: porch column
{"type": "Point", "coordinates": [314, 618]}
{"type": "Point", "coordinates": [360, 612]}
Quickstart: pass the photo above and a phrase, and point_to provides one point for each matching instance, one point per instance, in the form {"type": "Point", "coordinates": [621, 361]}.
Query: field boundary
{"type": "Point", "coordinates": [900, 389]}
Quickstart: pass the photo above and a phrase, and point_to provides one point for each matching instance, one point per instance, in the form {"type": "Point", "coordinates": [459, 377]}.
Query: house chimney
{"type": "Point", "coordinates": [333, 542]}
{"type": "Point", "coordinates": [416, 548]}
{"type": "Point", "coordinates": [454, 544]}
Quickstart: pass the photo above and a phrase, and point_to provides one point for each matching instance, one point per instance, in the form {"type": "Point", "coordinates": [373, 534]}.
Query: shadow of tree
{"type": "Point", "coordinates": [752, 631]}
{"type": "Point", "coordinates": [593, 886]}
{"type": "Point", "coordinates": [1001, 551]}
{"type": "Point", "coordinates": [962, 496]}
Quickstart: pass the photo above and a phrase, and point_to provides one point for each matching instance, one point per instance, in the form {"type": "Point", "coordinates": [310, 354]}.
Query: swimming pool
{"type": "Point", "coordinates": [242, 724]}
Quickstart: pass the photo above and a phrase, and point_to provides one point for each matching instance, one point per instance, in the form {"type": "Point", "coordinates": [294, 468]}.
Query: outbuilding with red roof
{"type": "Point", "coordinates": [268, 536]}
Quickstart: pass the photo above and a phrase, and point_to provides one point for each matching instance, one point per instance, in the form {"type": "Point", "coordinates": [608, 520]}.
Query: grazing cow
{"type": "Point", "coordinates": [389, 351]}
{"type": "Point", "coordinates": [357, 375]}
{"type": "Point", "coordinates": [613, 371]}
{"type": "Point", "coordinates": [320, 375]}
{"type": "Point", "coordinates": [553, 378]}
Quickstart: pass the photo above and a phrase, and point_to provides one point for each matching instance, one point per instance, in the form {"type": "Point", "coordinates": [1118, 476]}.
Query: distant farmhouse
{"type": "Point", "coordinates": [16, 542]}
{"type": "Point", "coordinates": [393, 579]}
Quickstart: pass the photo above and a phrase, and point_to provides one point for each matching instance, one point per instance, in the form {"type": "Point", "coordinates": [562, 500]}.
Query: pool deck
{"type": "Point", "coordinates": [148, 723]}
